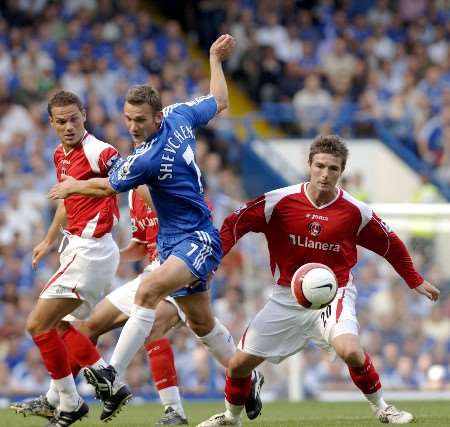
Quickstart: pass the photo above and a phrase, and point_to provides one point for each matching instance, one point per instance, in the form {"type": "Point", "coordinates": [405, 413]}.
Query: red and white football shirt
{"type": "Point", "coordinates": [88, 216]}
{"type": "Point", "coordinates": [298, 232]}
{"type": "Point", "coordinates": [144, 222]}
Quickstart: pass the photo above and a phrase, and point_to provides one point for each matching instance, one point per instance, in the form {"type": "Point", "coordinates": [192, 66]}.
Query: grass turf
{"type": "Point", "coordinates": [276, 414]}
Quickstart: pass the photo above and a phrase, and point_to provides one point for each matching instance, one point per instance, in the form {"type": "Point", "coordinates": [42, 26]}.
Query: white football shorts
{"type": "Point", "coordinates": [123, 297]}
{"type": "Point", "coordinates": [282, 327]}
{"type": "Point", "coordinates": [87, 267]}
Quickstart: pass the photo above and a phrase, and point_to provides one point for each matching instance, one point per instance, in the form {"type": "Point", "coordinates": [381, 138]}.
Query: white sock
{"type": "Point", "coordinates": [233, 410]}
{"type": "Point", "coordinates": [52, 394]}
{"type": "Point", "coordinates": [170, 396]}
{"type": "Point", "coordinates": [376, 399]}
{"type": "Point", "coordinates": [132, 337]}
{"type": "Point", "coordinates": [219, 343]}
{"type": "Point", "coordinates": [69, 398]}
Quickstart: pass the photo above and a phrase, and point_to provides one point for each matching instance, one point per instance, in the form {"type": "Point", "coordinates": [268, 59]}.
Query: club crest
{"type": "Point", "coordinates": [314, 228]}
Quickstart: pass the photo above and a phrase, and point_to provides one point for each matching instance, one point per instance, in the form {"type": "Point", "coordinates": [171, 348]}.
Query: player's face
{"type": "Point", "coordinates": [68, 122]}
{"type": "Point", "coordinates": [325, 170]}
{"type": "Point", "coordinates": [141, 121]}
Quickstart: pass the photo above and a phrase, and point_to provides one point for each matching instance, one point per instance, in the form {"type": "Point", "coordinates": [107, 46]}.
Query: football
{"type": "Point", "coordinates": [314, 285]}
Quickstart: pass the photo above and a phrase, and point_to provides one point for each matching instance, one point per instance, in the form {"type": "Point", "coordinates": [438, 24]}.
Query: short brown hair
{"type": "Point", "coordinates": [63, 98]}
{"type": "Point", "coordinates": [144, 94]}
{"type": "Point", "coordinates": [329, 144]}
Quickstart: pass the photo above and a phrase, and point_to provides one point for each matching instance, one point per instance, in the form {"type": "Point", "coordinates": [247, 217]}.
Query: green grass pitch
{"type": "Point", "coordinates": [276, 414]}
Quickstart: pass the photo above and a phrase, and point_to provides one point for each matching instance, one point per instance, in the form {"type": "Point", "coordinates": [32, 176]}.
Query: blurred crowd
{"type": "Point", "coordinates": [98, 49]}
{"type": "Point", "coordinates": [342, 66]}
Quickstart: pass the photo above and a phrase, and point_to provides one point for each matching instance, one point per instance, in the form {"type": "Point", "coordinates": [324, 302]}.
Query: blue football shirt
{"type": "Point", "coordinates": [166, 163]}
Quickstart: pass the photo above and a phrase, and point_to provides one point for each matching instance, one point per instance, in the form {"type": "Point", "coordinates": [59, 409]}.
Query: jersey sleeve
{"type": "Point", "coordinates": [249, 217]}
{"type": "Point", "coordinates": [379, 238]}
{"type": "Point", "coordinates": [199, 111]}
{"type": "Point", "coordinates": [129, 173]}
{"type": "Point", "coordinates": [107, 159]}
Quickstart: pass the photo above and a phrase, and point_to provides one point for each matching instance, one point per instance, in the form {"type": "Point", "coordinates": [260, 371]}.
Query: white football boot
{"type": "Point", "coordinates": [392, 415]}
{"type": "Point", "coordinates": [223, 419]}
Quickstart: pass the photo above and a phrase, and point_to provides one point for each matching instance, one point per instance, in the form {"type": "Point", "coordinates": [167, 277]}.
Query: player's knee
{"type": "Point", "coordinates": [34, 326]}
{"type": "Point", "coordinates": [31, 326]}
{"type": "Point", "coordinates": [237, 367]}
{"type": "Point", "coordinates": [201, 326]}
{"type": "Point", "coordinates": [147, 299]}
{"type": "Point", "coordinates": [148, 295]}
{"type": "Point", "coordinates": [352, 355]}
{"type": "Point", "coordinates": [200, 317]}
{"type": "Point", "coordinates": [199, 329]}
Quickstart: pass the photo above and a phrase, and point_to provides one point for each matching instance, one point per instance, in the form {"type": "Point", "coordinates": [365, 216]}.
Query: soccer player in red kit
{"type": "Point", "coordinates": [114, 310]}
{"type": "Point", "coordinates": [314, 221]}
{"type": "Point", "coordinates": [88, 262]}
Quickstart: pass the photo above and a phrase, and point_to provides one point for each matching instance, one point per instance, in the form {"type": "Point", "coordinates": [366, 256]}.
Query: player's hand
{"type": "Point", "coordinates": [222, 47]}
{"type": "Point", "coordinates": [430, 291]}
{"type": "Point", "coordinates": [63, 188]}
{"type": "Point", "coordinates": [39, 251]}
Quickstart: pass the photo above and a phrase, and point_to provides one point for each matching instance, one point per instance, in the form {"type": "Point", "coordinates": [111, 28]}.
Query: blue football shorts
{"type": "Point", "coordinates": [201, 251]}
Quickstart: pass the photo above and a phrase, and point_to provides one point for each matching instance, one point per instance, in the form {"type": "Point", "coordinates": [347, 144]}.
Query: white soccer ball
{"type": "Point", "coordinates": [314, 285]}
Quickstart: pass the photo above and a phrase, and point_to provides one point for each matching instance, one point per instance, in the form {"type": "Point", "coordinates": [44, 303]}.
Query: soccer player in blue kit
{"type": "Point", "coordinates": [188, 244]}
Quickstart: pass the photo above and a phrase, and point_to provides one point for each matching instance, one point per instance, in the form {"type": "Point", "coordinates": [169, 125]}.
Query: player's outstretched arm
{"type": "Point", "coordinates": [379, 238]}
{"type": "Point", "coordinates": [429, 290]}
{"type": "Point", "coordinates": [94, 187]}
{"type": "Point", "coordinates": [42, 248]}
{"type": "Point", "coordinates": [219, 51]}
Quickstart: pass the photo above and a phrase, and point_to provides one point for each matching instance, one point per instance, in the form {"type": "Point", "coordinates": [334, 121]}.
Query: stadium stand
{"type": "Point", "coordinates": [332, 69]}
{"type": "Point", "coordinates": [372, 68]}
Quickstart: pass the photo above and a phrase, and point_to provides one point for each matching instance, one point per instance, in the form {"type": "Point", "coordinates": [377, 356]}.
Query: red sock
{"type": "Point", "coordinates": [237, 390]}
{"type": "Point", "coordinates": [80, 347]}
{"type": "Point", "coordinates": [54, 354]}
{"type": "Point", "coordinates": [366, 377]}
{"type": "Point", "coordinates": [162, 363]}
{"type": "Point", "coordinates": [75, 367]}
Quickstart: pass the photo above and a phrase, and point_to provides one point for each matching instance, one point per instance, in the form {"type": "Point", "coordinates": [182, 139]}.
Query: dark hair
{"type": "Point", "coordinates": [329, 144]}
{"type": "Point", "coordinates": [63, 98]}
{"type": "Point", "coordinates": [144, 94]}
